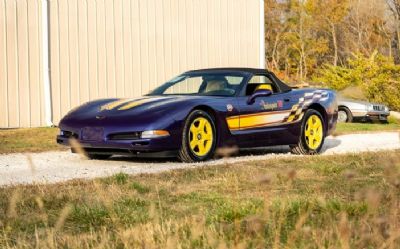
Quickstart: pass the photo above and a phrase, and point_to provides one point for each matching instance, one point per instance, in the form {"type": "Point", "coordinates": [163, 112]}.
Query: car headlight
{"type": "Point", "coordinates": [155, 134]}
{"type": "Point", "coordinates": [387, 109]}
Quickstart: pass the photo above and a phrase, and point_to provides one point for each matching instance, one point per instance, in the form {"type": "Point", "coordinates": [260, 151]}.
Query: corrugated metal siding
{"type": "Point", "coordinates": [21, 88]}
{"type": "Point", "coordinates": [125, 48]}
{"type": "Point", "coordinates": [115, 48]}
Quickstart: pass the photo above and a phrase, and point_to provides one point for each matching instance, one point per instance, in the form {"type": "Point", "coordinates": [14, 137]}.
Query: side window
{"type": "Point", "coordinates": [234, 80]}
{"type": "Point", "coordinates": [260, 82]}
{"type": "Point", "coordinates": [186, 86]}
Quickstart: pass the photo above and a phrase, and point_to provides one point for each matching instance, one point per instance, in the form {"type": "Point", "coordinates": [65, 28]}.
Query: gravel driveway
{"type": "Point", "coordinates": [50, 167]}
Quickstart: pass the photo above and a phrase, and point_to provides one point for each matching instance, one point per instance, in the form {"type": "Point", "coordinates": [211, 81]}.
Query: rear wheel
{"type": "Point", "coordinates": [312, 135]}
{"type": "Point", "coordinates": [199, 137]}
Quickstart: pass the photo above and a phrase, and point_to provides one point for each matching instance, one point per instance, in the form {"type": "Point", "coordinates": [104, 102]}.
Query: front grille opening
{"type": "Point", "coordinates": [69, 134]}
{"type": "Point", "coordinates": [378, 108]}
{"type": "Point", "coordinates": [125, 136]}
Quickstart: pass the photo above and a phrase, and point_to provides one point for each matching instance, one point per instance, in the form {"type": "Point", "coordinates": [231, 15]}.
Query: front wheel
{"type": "Point", "coordinates": [344, 115]}
{"type": "Point", "coordinates": [312, 134]}
{"type": "Point", "coordinates": [199, 137]}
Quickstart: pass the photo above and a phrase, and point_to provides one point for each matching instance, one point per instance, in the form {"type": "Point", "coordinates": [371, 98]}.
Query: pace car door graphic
{"type": "Point", "coordinates": [275, 110]}
{"type": "Point", "coordinates": [265, 111]}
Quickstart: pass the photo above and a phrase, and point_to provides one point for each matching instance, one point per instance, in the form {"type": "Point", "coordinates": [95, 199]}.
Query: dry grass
{"type": "Point", "coordinates": [347, 201]}
{"type": "Point", "coordinates": [28, 140]}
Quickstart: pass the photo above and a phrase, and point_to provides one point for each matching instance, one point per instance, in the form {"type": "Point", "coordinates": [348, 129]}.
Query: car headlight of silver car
{"type": "Point", "coordinates": [387, 109]}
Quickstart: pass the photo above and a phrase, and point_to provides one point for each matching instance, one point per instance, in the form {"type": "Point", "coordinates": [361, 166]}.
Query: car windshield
{"type": "Point", "coordinates": [207, 84]}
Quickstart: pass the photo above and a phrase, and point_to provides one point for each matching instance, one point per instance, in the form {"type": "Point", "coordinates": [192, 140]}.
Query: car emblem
{"type": "Point", "coordinates": [100, 117]}
{"type": "Point", "coordinates": [268, 106]}
{"type": "Point", "coordinates": [229, 107]}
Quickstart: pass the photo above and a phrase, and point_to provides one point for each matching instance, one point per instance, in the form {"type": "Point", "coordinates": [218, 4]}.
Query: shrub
{"type": "Point", "coordinates": [121, 178]}
{"type": "Point", "coordinates": [377, 76]}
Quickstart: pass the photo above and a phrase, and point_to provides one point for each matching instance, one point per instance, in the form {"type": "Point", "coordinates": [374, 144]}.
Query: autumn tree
{"type": "Point", "coordinates": [275, 13]}
{"type": "Point", "coordinates": [330, 15]}
{"type": "Point", "coordinates": [394, 6]}
{"type": "Point", "coordinates": [292, 38]}
{"type": "Point", "coordinates": [304, 36]}
{"type": "Point", "coordinates": [367, 27]}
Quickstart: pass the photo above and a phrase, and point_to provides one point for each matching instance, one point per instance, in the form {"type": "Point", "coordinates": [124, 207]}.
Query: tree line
{"type": "Point", "coordinates": [334, 42]}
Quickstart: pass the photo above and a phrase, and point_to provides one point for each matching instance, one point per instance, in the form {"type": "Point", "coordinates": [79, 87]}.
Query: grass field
{"type": "Point", "coordinates": [44, 139]}
{"type": "Point", "coordinates": [346, 128]}
{"type": "Point", "coordinates": [347, 201]}
{"type": "Point", "coordinates": [28, 140]}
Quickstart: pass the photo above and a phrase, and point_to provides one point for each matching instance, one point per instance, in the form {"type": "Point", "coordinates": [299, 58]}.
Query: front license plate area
{"type": "Point", "coordinates": [93, 134]}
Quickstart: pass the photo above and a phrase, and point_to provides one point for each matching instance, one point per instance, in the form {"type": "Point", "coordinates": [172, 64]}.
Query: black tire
{"type": "Point", "coordinates": [185, 153]}
{"type": "Point", "coordinates": [98, 157]}
{"type": "Point", "coordinates": [301, 148]}
{"type": "Point", "coordinates": [348, 113]}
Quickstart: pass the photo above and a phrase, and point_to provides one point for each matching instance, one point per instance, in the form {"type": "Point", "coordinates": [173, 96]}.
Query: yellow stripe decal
{"type": "Point", "coordinates": [256, 120]}
{"type": "Point", "coordinates": [290, 119]}
{"type": "Point", "coordinates": [233, 123]}
{"type": "Point", "coordinates": [137, 103]}
{"type": "Point", "coordinates": [114, 104]}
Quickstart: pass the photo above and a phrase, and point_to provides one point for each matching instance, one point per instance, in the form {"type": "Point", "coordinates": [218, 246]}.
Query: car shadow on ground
{"type": "Point", "coordinates": [330, 143]}
{"type": "Point", "coordinates": [242, 152]}
{"type": "Point", "coordinates": [144, 160]}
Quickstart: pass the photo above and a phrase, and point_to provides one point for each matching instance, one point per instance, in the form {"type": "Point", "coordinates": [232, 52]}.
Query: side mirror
{"type": "Point", "coordinates": [257, 94]}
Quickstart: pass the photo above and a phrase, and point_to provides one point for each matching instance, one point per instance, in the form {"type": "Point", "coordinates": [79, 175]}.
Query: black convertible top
{"type": "Point", "coordinates": [237, 69]}
{"type": "Point", "coordinates": [282, 86]}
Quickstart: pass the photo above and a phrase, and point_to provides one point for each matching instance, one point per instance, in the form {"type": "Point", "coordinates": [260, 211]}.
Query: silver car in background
{"type": "Point", "coordinates": [354, 110]}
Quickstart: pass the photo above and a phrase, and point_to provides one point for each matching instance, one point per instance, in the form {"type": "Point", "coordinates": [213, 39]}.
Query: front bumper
{"type": "Point", "coordinates": [373, 116]}
{"type": "Point", "coordinates": [159, 146]}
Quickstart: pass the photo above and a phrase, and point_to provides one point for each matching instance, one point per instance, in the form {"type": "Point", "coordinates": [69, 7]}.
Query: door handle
{"type": "Point", "coordinates": [286, 100]}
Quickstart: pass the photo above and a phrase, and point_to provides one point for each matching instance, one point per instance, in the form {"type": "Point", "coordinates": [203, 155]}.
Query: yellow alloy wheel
{"type": "Point", "coordinates": [200, 137]}
{"type": "Point", "coordinates": [314, 132]}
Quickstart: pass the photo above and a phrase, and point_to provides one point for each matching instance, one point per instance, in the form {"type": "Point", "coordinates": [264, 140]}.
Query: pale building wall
{"type": "Point", "coordinates": [116, 48]}
{"type": "Point", "coordinates": [21, 79]}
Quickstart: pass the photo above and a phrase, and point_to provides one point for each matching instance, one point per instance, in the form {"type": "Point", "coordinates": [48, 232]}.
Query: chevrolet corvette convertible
{"type": "Point", "coordinates": [194, 114]}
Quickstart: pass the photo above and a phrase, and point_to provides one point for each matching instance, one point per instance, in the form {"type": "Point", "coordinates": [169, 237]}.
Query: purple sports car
{"type": "Point", "coordinates": [199, 111]}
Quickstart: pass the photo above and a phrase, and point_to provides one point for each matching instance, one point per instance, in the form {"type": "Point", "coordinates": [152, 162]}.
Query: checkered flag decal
{"type": "Point", "coordinates": [304, 102]}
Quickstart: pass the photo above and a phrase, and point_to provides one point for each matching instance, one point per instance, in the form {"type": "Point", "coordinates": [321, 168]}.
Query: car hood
{"type": "Point", "coordinates": [360, 102]}
{"type": "Point", "coordinates": [107, 108]}
{"type": "Point", "coordinates": [133, 111]}
{"type": "Point", "coordinates": [340, 100]}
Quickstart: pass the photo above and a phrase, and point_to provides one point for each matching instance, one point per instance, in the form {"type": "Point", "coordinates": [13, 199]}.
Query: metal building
{"type": "Point", "coordinates": [80, 50]}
